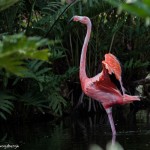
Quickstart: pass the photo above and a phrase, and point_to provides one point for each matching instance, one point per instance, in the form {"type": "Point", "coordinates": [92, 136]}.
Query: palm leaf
{"type": "Point", "coordinates": [6, 105]}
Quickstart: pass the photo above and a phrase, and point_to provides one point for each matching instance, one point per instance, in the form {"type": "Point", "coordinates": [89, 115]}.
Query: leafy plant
{"type": "Point", "coordinates": [5, 4]}
{"type": "Point", "coordinates": [43, 90]}
{"type": "Point", "coordinates": [15, 49]}
{"type": "Point", "coordinates": [135, 7]}
{"type": "Point", "coordinates": [50, 15]}
{"type": "Point", "coordinates": [6, 104]}
{"type": "Point", "coordinates": [132, 64]}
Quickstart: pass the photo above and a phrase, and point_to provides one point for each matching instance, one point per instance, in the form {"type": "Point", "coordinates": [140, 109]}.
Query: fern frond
{"type": "Point", "coordinates": [6, 105]}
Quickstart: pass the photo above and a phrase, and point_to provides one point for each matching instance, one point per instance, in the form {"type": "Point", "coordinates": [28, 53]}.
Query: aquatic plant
{"type": "Point", "coordinates": [109, 146]}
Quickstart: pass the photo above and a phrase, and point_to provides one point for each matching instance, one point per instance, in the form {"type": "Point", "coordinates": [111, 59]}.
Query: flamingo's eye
{"type": "Point", "coordinates": [84, 20]}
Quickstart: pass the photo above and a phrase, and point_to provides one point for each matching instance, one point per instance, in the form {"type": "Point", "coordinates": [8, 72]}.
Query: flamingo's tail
{"type": "Point", "coordinates": [129, 98]}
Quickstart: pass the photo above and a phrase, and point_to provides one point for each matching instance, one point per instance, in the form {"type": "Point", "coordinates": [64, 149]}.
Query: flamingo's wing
{"type": "Point", "coordinates": [108, 92]}
{"type": "Point", "coordinates": [104, 80]}
{"type": "Point", "coordinates": [105, 90]}
{"type": "Point", "coordinates": [112, 64]}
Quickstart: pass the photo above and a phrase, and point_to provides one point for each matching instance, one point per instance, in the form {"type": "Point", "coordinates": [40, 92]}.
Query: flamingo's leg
{"type": "Point", "coordinates": [113, 139]}
{"type": "Point", "coordinates": [109, 113]}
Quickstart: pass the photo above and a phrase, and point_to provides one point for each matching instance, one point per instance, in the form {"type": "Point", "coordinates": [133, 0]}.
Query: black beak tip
{"type": "Point", "coordinates": [70, 20]}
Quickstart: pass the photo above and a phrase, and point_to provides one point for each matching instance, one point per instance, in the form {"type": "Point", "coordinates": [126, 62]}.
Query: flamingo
{"type": "Point", "coordinates": [100, 87]}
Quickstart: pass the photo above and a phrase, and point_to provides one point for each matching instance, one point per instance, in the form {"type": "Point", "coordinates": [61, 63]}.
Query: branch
{"type": "Point", "coordinates": [75, 1]}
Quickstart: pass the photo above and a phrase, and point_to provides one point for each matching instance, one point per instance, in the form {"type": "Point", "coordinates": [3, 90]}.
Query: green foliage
{"type": "Point", "coordinates": [37, 71]}
{"type": "Point", "coordinates": [6, 104]}
{"type": "Point", "coordinates": [30, 100]}
{"type": "Point", "coordinates": [132, 64]}
{"type": "Point", "coordinates": [43, 88]}
{"type": "Point", "coordinates": [14, 49]}
{"type": "Point", "coordinates": [51, 14]}
{"type": "Point", "coordinates": [5, 4]}
{"type": "Point", "coordinates": [57, 102]}
{"type": "Point", "coordinates": [27, 57]}
{"type": "Point", "coordinates": [52, 86]}
{"type": "Point", "coordinates": [49, 84]}
{"type": "Point", "coordinates": [137, 7]}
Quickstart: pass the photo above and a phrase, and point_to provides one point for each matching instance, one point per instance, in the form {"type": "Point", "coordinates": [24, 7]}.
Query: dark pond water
{"type": "Point", "coordinates": [77, 133]}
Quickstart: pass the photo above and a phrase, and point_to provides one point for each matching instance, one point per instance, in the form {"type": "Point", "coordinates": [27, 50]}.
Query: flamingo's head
{"type": "Point", "coordinates": [82, 19]}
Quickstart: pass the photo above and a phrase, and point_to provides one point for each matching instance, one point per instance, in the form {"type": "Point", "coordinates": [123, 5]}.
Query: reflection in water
{"type": "Point", "coordinates": [78, 134]}
{"type": "Point", "coordinates": [109, 146]}
{"type": "Point", "coordinates": [94, 147]}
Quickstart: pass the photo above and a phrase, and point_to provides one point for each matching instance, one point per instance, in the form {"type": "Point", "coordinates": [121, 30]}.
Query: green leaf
{"type": "Point", "coordinates": [14, 49]}
{"type": "Point", "coordinates": [6, 106]}
{"type": "Point", "coordinates": [6, 3]}
{"type": "Point", "coordinates": [147, 2]}
{"type": "Point", "coordinates": [139, 8]}
{"type": "Point", "coordinates": [3, 116]}
{"type": "Point", "coordinates": [41, 55]}
{"type": "Point", "coordinates": [42, 71]}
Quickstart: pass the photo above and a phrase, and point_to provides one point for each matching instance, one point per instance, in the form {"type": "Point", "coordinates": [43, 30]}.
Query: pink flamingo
{"type": "Point", "coordinates": [100, 87]}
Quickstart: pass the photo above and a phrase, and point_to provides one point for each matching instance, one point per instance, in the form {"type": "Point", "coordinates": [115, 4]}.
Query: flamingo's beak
{"type": "Point", "coordinates": [70, 20]}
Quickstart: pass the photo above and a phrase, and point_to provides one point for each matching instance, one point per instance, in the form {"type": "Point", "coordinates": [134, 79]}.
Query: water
{"type": "Point", "coordinates": [75, 133]}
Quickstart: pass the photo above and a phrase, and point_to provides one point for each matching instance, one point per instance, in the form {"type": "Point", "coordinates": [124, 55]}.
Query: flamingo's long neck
{"type": "Point", "coordinates": [84, 51]}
